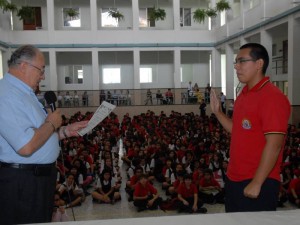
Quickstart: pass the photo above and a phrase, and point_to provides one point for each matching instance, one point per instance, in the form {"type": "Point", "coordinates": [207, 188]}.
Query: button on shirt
{"type": "Point", "coordinates": [22, 113]}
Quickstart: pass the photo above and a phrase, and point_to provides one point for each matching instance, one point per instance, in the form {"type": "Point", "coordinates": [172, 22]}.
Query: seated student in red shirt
{"type": "Point", "coordinates": [209, 189]}
{"type": "Point", "coordinates": [145, 196]}
{"type": "Point", "coordinates": [294, 190]}
{"type": "Point", "coordinates": [188, 197]}
{"type": "Point", "coordinates": [130, 185]}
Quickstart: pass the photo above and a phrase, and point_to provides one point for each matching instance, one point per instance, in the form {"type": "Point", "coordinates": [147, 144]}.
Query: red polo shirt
{"type": "Point", "coordinates": [257, 112]}
{"type": "Point", "coordinates": [187, 192]}
{"type": "Point", "coordinates": [141, 191]}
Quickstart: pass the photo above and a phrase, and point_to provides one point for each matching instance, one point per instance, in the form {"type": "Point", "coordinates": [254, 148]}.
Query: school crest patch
{"type": "Point", "coordinates": [246, 124]}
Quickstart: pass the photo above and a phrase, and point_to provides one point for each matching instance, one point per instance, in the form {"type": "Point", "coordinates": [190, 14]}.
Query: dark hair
{"type": "Point", "coordinates": [257, 51]}
{"type": "Point", "coordinates": [23, 53]}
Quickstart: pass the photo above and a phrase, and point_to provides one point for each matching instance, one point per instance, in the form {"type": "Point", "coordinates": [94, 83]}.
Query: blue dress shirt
{"type": "Point", "coordinates": [21, 113]}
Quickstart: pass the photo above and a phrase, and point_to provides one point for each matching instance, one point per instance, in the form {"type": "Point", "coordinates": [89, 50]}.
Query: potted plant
{"type": "Point", "coordinates": [222, 5]}
{"type": "Point", "coordinates": [199, 15]}
{"type": "Point", "coordinates": [211, 12]}
{"type": "Point", "coordinates": [72, 13]}
{"type": "Point", "coordinates": [26, 13]}
{"type": "Point", "coordinates": [114, 13]}
{"type": "Point", "coordinates": [7, 6]}
{"type": "Point", "coordinates": [157, 14]}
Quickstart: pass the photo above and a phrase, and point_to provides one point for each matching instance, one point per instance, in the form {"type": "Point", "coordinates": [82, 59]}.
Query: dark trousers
{"type": "Point", "coordinates": [26, 197]}
{"type": "Point", "coordinates": [143, 203]}
{"type": "Point", "coordinates": [235, 201]}
{"type": "Point", "coordinates": [189, 208]}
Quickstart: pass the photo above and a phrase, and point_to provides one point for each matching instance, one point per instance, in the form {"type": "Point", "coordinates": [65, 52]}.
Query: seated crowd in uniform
{"type": "Point", "coordinates": [187, 155]}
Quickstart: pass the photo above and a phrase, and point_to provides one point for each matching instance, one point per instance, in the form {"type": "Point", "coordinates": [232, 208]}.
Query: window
{"type": "Point", "coordinates": [146, 75]}
{"type": "Point", "coordinates": [185, 17]}
{"type": "Point", "coordinates": [73, 74]}
{"type": "Point", "coordinates": [107, 20]}
{"type": "Point", "coordinates": [143, 18]}
{"type": "Point", "coordinates": [71, 17]}
{"type": "Point", "coordinates": [111, 75]}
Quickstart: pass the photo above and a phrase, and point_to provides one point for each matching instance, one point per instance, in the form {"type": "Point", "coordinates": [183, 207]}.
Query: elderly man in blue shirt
{"type": "Point", "coordinates": [29, 141]}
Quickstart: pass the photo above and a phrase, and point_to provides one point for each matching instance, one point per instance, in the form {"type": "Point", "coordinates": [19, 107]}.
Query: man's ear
{"type": "Point", "coordinates": [260, 64]}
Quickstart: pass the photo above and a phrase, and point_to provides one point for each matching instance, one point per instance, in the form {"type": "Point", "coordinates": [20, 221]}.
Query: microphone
{"type": "Point", "coordinates": [50, 98]}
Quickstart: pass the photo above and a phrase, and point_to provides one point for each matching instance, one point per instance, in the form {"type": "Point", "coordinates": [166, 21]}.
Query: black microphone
{"type": "Point", "coordinates": [50, 98]}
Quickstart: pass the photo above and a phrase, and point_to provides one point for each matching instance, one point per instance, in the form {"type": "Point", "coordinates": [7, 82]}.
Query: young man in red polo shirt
{"type": "Point", "coordinates": [258, 130]}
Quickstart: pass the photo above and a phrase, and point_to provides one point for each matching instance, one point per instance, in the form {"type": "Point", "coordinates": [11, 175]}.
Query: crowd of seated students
{"type": "Point", "coordinates": [178, 152]}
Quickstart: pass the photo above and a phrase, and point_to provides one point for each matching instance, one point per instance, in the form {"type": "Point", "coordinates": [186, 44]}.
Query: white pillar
{"type": "Point", "coordinates": [95, 69]}
{"type": "Point", "coordinates": [53, 70]}
{"type": "Point", "coordinates": [94, 15]}
{"type": "Point", "coordinates": [176, 13]}
{"type": "Point", "coordinates": [293, 61]}
{"type": "Point", "coordinates": [215, 68]}
{"type": "Point", "coordinates": [50, 16]}
{"type": "Point", "coordinates": [266, 41]}
{"type": "Point", "coordinates": [135, 14]}
{"type": "Point", "coordinates": [229, 72]}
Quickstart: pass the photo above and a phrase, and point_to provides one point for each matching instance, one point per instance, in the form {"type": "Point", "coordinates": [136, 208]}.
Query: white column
{"type": "Point", "coordinates": [266, 41]}
{"type": "Point", "coordinates": [95, 69]}
{"type": "Point", "coordinates": [53, 70]}
{"type": "Point", "coordinates": [215, 68]}
{"type": "Point", "coordinates": [135, 14]}
{"type": "Point", "coordinates": [229, 72]}
{"type": "Point", "coordinates": [94, 15]}
{"type": "Point", "coordinates": [50, 16]}
{"type": "Point", "coordinates": [293, 61]}
{"type": "Point", "coordinates": [136, 76]}
{"type": "Point", "coordinates": [177, 65]}
{"type": "Point", "coordinates": [176, 14]}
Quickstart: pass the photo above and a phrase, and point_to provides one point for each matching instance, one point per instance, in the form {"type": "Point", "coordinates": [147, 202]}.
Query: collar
{"type": "Point", "coordinates": [258, 86]}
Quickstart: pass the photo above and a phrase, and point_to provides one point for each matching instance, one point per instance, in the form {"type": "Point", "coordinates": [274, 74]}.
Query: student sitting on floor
{"type": "Point", "coordinates": [106, 191]}
{"type": "Point", "coordinates": [188, 197]}
{"type": "Point", "coordinates": [145, 196]}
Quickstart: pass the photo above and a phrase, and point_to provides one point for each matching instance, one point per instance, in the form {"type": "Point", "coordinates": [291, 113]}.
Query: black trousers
{"type": "Point", "coordinates": [26, 196]}
{"type": "Point", "coordinates": [235, 201]}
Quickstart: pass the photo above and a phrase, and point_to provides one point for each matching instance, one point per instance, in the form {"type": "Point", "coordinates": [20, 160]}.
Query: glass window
{"type": "Point", "coordinates": [71, 17]}
{"type": "Point", "coordinates": [143, 18]}
{"type": "Point", "coordinates": [73, 74]}
{"type": "Point", "coordinates": [185, 17]}
{"type": "Point", "coordinates": [146, 75]}
{"type": "Point", "coordinates": [111, 75]}
{"type": "Point", "coordinates": [107, 20]}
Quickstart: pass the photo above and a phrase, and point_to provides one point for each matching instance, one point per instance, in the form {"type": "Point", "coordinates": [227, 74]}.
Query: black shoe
{"type": "Point", "coordinates": [140, 209]}
{"type": "Point", "coordinates": [202, 210]}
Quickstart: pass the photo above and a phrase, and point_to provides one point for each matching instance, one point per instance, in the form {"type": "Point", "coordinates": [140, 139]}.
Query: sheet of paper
{"type": "Point", "coordinates": [101, 113]}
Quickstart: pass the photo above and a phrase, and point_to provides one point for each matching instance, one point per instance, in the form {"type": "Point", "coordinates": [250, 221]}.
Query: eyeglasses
{"type": "Point", "coordinates": [242, 61]}
{"type": "Point", "coordinates": [42, 71]}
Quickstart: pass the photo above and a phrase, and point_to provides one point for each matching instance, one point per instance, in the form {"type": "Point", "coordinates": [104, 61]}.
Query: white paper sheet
{"type": "Point", "coordinates": [101, 113]}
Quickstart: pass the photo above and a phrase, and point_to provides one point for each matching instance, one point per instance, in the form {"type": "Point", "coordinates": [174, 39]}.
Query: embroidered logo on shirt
{"type": "Point", "coordinates": [246, 124]}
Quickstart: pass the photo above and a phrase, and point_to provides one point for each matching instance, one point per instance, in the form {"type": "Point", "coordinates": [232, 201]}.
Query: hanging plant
{"type": "Point", "coordinates": [26, 13]}
{"type": "Point", "coordinates": [222, 5]}
{"type": "Point", "coordinates": [114, 13]}
{"type": "Point", "coordinates": [72, 13]}
{"type": "Point", "coordinates": [211, 12]}
{"type": "Point", "coordinates": [157, 14]}
{"type": "Point", "coordinates": [199, 15]}
{"type": "Point", "coordinates": [8, 7]}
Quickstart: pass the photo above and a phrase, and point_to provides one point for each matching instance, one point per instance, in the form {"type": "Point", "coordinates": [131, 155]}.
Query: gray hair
{"type": "Point", "coordinates": [23, 53]}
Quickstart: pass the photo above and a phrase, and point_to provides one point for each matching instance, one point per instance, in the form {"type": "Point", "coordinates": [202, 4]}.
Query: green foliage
{"type": "Point", "coordinates": [7, 6]}
{"type": "Point", "coordinates": [116, 14]}
{"type": "Point", "coordinates": [26, 13]}
{"type": "Point", "coordinates": [200, 14]}
{"type": "Point", "coordinates": [72, 13]}
{"type": "Point", "coordinates": [157, 14]}
{"type": "Point", "coordinates": [222, 5]}
{"type": "Point", "coordinates": [211, 12]}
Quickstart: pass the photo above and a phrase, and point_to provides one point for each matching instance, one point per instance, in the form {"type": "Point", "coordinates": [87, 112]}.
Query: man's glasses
{"type": "Point", "coordinates": [42, 71]}
{"type": "Point", "coordinates": [242, 61]}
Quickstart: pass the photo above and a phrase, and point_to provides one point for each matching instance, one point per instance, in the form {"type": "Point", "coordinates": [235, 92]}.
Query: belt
{"type": "Point", "coordinates": [38, 169]}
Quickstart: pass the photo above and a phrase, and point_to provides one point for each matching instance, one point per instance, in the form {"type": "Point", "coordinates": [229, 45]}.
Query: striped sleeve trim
{"type": "Point", "coordinates": [274, 132]}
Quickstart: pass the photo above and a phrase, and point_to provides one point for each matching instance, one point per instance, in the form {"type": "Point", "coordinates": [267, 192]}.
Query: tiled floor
{"type": "Point", "coordinates": [124, 209]}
